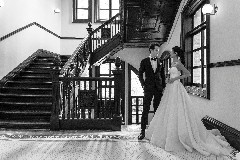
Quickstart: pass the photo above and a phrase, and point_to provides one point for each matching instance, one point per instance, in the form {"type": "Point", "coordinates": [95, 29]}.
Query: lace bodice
{"type": "Point", "coordinates": [173, 71]}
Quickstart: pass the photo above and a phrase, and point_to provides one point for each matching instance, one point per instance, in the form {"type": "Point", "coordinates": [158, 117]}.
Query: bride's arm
{"type": "Point", "coordinates": [184, 70]}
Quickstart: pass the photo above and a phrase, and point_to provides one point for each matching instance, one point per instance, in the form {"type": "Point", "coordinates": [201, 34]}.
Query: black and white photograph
{"type": "Point", "coordinates": [119, 80]}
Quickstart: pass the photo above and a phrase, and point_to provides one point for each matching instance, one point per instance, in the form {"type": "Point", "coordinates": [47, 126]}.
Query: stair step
{"type": "Point", "coordinates": [46, 57]}
{"type": "Point", "coordinates": [26, 115]}
{"type": "Point", "coordinates": [7, 97]}
{"type": "Point", "coordinates": [42, 63]}
{"type": "Point", "coordinates": [26, 112]}
{"type": "Point", "coordinates": [26, 100]}
{"type": "Point", "coordinates": [34, 73]}
{"type": "Point", "coordinates": [40, 106]}
{"type": "Point", "coordinates": [29, 84]}
{"type": "Point", "coordinates": [16, 124]}
{"type": "Point", "coordinates": [21, 90]}
{"type": "Point", "coordinates": [32, 78]}
{"type": "Point", "coordinates": [40, 68]}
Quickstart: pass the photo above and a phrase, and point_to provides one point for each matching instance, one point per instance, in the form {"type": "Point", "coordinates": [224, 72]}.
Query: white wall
{"type": "Point", "coordinates": [224, 81]}
{"type": "Point", "coordinates": [16, 14]}
{"type": "Point", "coordinates": [133, 56]}
{"type": "Point", "coordinates": [70, 29]}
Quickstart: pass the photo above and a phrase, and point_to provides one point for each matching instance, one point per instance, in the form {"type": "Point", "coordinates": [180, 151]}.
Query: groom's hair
{"type": "Point", "coordinates": [152, 46]}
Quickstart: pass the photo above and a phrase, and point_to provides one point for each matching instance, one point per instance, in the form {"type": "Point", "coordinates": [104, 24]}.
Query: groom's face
{"type": "Point", "coordinates": [155, 51]}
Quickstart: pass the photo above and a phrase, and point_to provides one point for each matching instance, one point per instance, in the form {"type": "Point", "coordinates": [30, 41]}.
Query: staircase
{"type": "Point", "coordinates": [26, 100]}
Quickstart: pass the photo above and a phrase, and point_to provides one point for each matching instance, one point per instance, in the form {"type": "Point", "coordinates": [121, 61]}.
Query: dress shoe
{"type": "Point", "coordinates": [141, 136]}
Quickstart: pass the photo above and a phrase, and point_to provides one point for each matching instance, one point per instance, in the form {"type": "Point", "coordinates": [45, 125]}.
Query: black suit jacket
{"type": "Point", "coordinates": [153, 80]}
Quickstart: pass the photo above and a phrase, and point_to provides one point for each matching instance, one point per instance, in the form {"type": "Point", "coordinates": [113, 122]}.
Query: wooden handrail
{"type": "Point", "coordinates": [64, 71]}
{"type": "Point", "coordinates": [86, 78]}
{"type": "Point", "coordinates": [95, 39]}
{"type": "Point", "coordinates": [106, 23]}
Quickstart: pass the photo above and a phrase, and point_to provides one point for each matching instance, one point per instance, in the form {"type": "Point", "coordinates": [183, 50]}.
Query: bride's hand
{"type": "Point", "coordinates": [171, 80]}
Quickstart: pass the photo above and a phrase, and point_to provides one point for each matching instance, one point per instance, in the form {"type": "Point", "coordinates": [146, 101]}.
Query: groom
{"type": "Point", "coordinates": [153, 84]}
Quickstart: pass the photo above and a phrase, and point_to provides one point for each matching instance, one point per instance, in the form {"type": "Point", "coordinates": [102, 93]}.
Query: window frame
{"type": "Point", "coordinates": [75, 20]}
{"type": "Point", "coordinates": [97, 11]}
{"type": "Point", "coordinates": [188, 32]}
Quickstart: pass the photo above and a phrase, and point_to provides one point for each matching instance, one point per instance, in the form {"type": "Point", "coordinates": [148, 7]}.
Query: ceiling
{"type": "Point", "coordinates": [149, 20]}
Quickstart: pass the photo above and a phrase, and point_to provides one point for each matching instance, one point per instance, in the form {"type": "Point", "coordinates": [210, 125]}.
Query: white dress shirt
{"type": "Point", "coordinates": [154, 64]}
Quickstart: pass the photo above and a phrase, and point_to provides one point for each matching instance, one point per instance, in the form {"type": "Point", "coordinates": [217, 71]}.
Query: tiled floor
{"type": "Point", "coordinates": [84, 145]}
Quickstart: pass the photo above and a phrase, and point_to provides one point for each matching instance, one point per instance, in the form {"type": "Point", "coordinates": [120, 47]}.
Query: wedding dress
{"type": "Point", "coordinates": [175, 126]}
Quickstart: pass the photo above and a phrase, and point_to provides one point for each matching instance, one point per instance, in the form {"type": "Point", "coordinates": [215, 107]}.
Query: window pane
{"type": "Point", "coordinates": [136, 88]}
{"type": "Point", "coordinates": [107, 92]}
{"type": "Point", "coordinates": [82, 3]}
{"type": "Point", "coordinates": [140, 101]}
{"type": "Point", "coordinates": [205, 76]}
{"type": "Point", "coordinates": [133, 101]}
{"type": "Point", "coordinates": [197, 18]}
{"type": "Point", "coordinates": [197, 75]}
{"type": "Point", "coordinates": [197, 58]}
{"type": "Point", "coordinates": [113, 67]}
{"type": "Point", "coordinates": [139, 118]}
{"type": "Point", "coordinates": [104, 4]}
{"type": "Point", "coordinates": [115, 5]}
{"type": "Point", "coordinates": [204, 18]}
{"type": "Point", "coordinates": [205, 39]}
{"type": "Point", "coordinates": [82, 14]}
{"type": "Point", "coordinates": [103, 92]}
{"type": "Point", "coordinates": [205, 57]}
{"type": "Point", "coordinates": [134, 119]}
{"type": "Point", "coordinates": [197, 41]}
{"type": "Point", "coordinates": [112, 92]}
{"type": "Point", "coordinates": [104, 14]}
{"type": "Point", "coordinates": [133, 109]}
{"type": "Point", "coordinates": [140, 109]}
{"type": "Point", "coordinates": [104, 68]}
{"type": "Point", "coordinates": [114, 12]}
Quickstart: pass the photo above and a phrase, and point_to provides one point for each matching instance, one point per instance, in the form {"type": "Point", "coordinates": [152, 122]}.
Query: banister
{"type": "Point", "coordinates": [73, 56]}
{"type": "Point", "coordinates": [106, 22]}
{"type": "Point", "coordinates": [78, 60]}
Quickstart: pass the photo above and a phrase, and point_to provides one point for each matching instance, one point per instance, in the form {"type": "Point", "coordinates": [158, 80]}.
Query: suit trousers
{"type": "Point", "coordinates": [148, 96]}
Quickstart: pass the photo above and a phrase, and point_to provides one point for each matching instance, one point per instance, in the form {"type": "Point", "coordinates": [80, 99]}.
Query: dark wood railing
{"type": "Point", "coordinates": [86, 98]}
{"type": "Point", "coordinates": [106, 31]}
{"type": "Point", "coordinates": [95, 39]}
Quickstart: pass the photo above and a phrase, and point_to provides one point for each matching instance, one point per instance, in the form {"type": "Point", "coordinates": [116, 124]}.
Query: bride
{"type": "Point", "coordinates": [175, 126]}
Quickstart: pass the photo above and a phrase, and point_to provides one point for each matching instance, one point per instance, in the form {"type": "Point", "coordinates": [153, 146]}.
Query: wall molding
{"type": "Point", "coordinates": [38, 25]}
{"type": "Point", "coordinates": [225, 63]}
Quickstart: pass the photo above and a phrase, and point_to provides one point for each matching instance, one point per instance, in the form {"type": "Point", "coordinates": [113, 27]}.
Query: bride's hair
{"type": "Point", "coordinates": [180, 54]}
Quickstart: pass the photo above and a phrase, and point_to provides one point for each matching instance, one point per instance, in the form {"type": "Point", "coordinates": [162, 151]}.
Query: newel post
{"type": "Point", "coordinates": [118, 79]}
{"type": "Point", "coordinates": [117, 86]}
{"type": "Point", "coordinates": [54, 120]}
{"type": "Point", "coordinates": [89, 29]}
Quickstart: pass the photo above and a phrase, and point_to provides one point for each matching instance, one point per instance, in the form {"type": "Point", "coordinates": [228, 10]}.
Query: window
{"type": "Point", "coordinates": [82, 11]}
{"type": "Point", "coordinates": [105, 70]}
{"type": "Point", "coordinates": [196, 43]}
{"type": "Point", "coordinates": [105, 9]}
